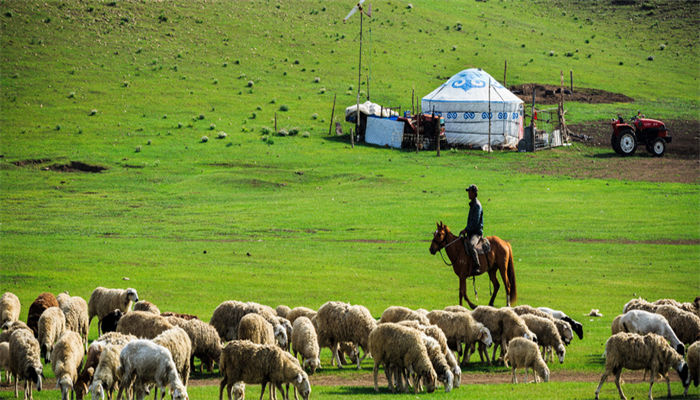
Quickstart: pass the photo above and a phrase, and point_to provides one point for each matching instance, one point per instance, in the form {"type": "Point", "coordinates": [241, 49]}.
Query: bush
{"type": "Point", "coordinates": [305, 134]}
{"type": "Point", "coordinates": [283, 132]}
{"type": "Point", "coordinates": [221, 135]}
{"type": "Point", "coordinates": [212, 126]}
{"type": "Point", "coordinates": [93, 112]}
{"type": "Point", "coordinates": [317, 79]}
{"type": "Point", "coordinates": [250, 83]}
{"type": "Point", "coordinates": [205, 139]}
{"type": "Point", "coordinates": [265, 130]}
{"type": "Point", "coordinates": [137, 149]}
{"type": "Point", "coordinates": [314, 116]}
{"type": "Point", "coordinates": [284, 107]}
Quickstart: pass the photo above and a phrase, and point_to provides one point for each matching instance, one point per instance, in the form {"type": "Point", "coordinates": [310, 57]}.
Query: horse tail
{"type": "Point", "coordinates": [511, 276]}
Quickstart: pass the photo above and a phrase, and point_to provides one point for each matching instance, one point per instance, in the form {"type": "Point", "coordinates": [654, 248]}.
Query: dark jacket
{"type": "Point", "coordinates": [475, 221]}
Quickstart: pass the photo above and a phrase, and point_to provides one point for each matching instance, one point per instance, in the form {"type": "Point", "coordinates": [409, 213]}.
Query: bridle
{"type": "Point", "coordinates": [440, 243]}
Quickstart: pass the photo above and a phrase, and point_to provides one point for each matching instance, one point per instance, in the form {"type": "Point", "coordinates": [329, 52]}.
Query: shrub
{"type": "Point", "coordinates": [283, 132]}
{"type": "Point", "coordinates": [212, 126]}
{"type": "Point", "coordinates": [293, 131]}
{"type": "Point", "coordinates": [305, 134]}
{"type": "Point", "coordinates": [71, 95]}
{"type": "Point", "coordinates": [93, 112]}
{"type": "Point", "coordinates": [201, 116]}
{"type": "Point", "coordinates": [265, 130]}
{"type": "Point", "coordinates": [314, 116]}
{"type": "Point", "coordinates": [317, 79]}
{"type": "Point", "coordinates": [205, 139]}
{"type": "Point", "coordinates": [284, 107]}
{"type": "Point", "coordinates": [221, 135]}
{"type": "Point", "coordinates": [250, 83]}
{"type": "Point", "coordinates": [137, 149]}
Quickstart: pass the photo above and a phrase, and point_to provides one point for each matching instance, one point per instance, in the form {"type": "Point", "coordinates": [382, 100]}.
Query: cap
{"type": "Point", "coordinates": [472, 187]}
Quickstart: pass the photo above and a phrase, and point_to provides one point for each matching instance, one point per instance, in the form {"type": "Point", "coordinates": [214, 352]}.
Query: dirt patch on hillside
{"type": "Point", "coordinates": [689, 242]}
{"type": "Point", "coordinates": [549, 94]}
{"type": "Point", "coordinates": [76, 166]}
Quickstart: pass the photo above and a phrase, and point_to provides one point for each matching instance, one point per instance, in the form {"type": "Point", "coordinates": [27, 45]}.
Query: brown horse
{"type": "Point", "coordinates": [500, 258]}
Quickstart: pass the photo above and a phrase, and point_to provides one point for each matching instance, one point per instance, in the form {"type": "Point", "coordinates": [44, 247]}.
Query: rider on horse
{"type": "Point", "coordinates": [475, 226]}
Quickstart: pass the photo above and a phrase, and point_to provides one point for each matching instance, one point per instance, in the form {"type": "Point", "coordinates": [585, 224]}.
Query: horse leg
{"type": "Point", "coordinates": [462, 290]}
{"type": "Point", "coordinates": [506, 283]}
{"type": "Point", "coordinates": [496, 285]}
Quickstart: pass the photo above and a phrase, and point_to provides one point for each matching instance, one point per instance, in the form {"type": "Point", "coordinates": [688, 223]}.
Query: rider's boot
{"type": "Point", "coordinates": [477, 264]}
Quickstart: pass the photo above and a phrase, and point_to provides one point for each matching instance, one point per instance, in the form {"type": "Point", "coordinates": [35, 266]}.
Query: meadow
{"type": "Point", "coordinates": [303, 219]}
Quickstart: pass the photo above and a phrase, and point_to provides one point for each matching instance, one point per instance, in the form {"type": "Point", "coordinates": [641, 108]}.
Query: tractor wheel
{"type": "Point", "coordinates": [657, 148]}
{"type": "Point", "coordinates": [627, 143]}
{"type": "Point", "coordinates": [614, 144]}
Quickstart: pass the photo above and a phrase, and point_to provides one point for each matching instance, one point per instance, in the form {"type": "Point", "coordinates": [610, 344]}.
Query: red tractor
{"type": "Point", "coordinates": [650, 132]}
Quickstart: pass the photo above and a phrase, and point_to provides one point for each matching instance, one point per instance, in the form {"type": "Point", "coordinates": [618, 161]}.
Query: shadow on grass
{"type": "Point", "coordinates": [357, 390]}
{"type": "Point", "coordinates": [595, 359]}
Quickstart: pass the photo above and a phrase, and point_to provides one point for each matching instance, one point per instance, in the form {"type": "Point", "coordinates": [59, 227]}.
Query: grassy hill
{"type": "Point", "coordinates": [300, 220]}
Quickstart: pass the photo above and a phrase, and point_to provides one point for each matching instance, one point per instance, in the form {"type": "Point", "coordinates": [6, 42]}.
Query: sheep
{"type": "Point", "coordinates": [109, 322]}
{"type": "Point", "coordinates": [693, 307]}
{"type": "Point", "coordinates": [565, 331]}
{"type": "Point", "coordinates": [82, 384]}
{"type": "Point", "coordinates": [143, 305]}
{"type": "Point", "coordinates": [300, 312]}
{"type": "Point", "coordinates": [398, 314]}
{"type": "Point", "coordinates": [643, 322]}
{"type": "Point", "coordinates": [397, 348]}
{"type": "Point", "coordinates": [11, 327]}
{"type": "Point", "coordinates": [251, 363]}
{"type": "Point", "coordinates": [685, 324]}
{"type": "Point", "coordinates": [65, 360]}
{"type": "Point", "coordinates": [41, 303]}
{"type": "Point", "coordinates": [282, 310]}
{"type": "Point", "coordinates": [342, 322]}
{"type": "Point", "coordinates": [439, 361]}
{"type": "Point", "coordinates": [523, 353]}
{"type": "Point", "coordinates": [228, 314]}
{"type": "Point", "coordinates": [24, 361]}
{"type": "Point", "coordinates": [143, 324]}
{"type": "Point", "coordinates": [547, 335]}
{"type": "Point", "coordinates": [693, 365]}
{"type": "Point", "coordinates": [9, 308]}
{"type": "Point", "coordinates": [75, 310]}
{"type": "Point", "coordinates": [5, 361]}
{"type": "Point", "coordinates": [179, 344]}
{"type": "Point", "coordinates": [633, 351]}
{"type": "Point", "coordinates": [144, 362]}
{"type": "Point", "coordinates": [575, 325]}
{"type": "Point", "coordinates": [179, 315]}
{"type": "Point", "coordinates": [305, 341]}
{"type": "Point", "coordinates": [284, 323]}
{"type": "Point", "coordinates": [103, 301]}
{"type": "Point", "coordinates": [255, 328]}
{"type": "Point", "coordinates": [639, 304]}
{"type": "Point", "coordinates": [504, 324]}
{"type": "Point", "coordinates": [52, 323]}
{"type": "Point", "coordinates": [461, 327]}
{"type": "Point", "coordinates": [206, 344]}
{"type": "Point", "coordinates": [106, 373]}
{"type": "Point", "coordinates": [564, 328]}
{"type": "Point", "coordinates": [436, 333]}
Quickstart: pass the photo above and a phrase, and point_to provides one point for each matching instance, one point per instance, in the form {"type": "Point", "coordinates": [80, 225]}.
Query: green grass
{"type": "Point", "coordinates": [300, 221]}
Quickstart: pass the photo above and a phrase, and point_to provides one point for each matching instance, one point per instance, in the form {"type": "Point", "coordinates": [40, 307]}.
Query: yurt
{"type": "Point", "coordinates": [464, 102]}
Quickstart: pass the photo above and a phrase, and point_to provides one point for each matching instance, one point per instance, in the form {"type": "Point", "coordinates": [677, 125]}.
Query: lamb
{"type": "Point", "coordinates": [342, 322]}
{"type": "Point", "coordinates": [643, 322]}
{"type": "Point", "coordinates": [633, 351]}
{"type": "Point", "coordinates": [685, 324]}
{"type": "Point", "coordinates": [109, 322]}
{"type": "Point", "coordinates": [206, 344]}
{"type": "Point", "coordinates": [300, 312]}
{"type": "Point", "coordinates": [103, 301]}
{"type": "Point", "coordinates": [143, 324]}
{"type": "Point", "coordinates": [305, 341]}
{"type": "Point", "coordinates": [547, 335]}
{"type": "Point", "coordinates": [5, 361]}
{"type": "Point", "coordinates": [75, 310]}
{"type": "Point", "coordinates": [52, 323]}
{"type": "Point", "coordinates": [461, 327]}
{"type": "Point", "coordinates": [179, 344]}
{"type": "Point", "coordinates": [106, 373]}
{"type": "Point", "coordinates": [575, 325]}
{"type": "Point", "coordinates": [398, 314]}
{"type": "Point", "coordinates": [24, 361]}
{"type": "Point", "coordinates": [65, 360]}
{"type": "Point", "coordinates": [11, 327]}
{"type": "Point", "coordinates": [228, 314]}
{"type": "Point", "coordinates": [282, 310]}
{"type": "Point", "coordinates": [436, 333]}
{"type": "Point", "coordinates": [9, 308]}
{"type": "Point", "coordinates": [397, 348]}
{"type": "Point", "coordinates": [41, 303]}
{"type": "Point", "coordinates": [144, 362]}
{"type": "Point", "coordinates": [245, 361]}
{"type": "Point", "coordinates": [143, 305]}
{"type": "Point", "coordinates": [504, 325]}
{"type": "Point", "coordinates": [693, 365]}
{"type": "Point", "coordinates": [523, 353]}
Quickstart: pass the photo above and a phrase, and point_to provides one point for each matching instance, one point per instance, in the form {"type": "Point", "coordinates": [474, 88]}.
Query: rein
{"type": "Point", "coordinates": [446, 246]}
{"type": "Point", "coordinates": [449, 265]}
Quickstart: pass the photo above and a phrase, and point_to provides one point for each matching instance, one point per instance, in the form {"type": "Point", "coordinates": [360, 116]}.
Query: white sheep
{"type": "Point", "coordinates": [103, 301]}
{"type": "Point", "coordinates": [305, 341]}
{"type": "Point", "coordinates": [11, 327]}
{"type": "Point", "coordinates": [686, 325]}
{"type": "Point", "coordinates": [633, 351]}
{"type": "Point", "coordinates": [255, 328]}
{"type": "Point", "coordinates": [342, 322]}
{"type": "Point", "coordinates": [399, 313]}
{"type": "Point", "coordinates": [75, 309]}
{"type": "Point", "coordinates": [143, 324]}
{"type": "Point", "coordinates": [5, 362]}
{"type": "Point", "coordinates": [282, 310]}
{"type": "Point", "coordinates": [247, 362]}
{"type": "Point", "coordinates": [144, 362]}
{"type": "Point", "coordinates": [179, 344]}
{"type": "Point", "coordinates": [563, 327]}
{"type": "Point", "coordinates": [206, 344]}
{"type": "Point", "coordinates": [143, 305]}
{"type": "Point", "coordinates": [693, 365]}
{"type": "Point", "coordinates": [52, 324]}
{"type": "Point", "coordinates": [557, 314]}
{"type": "Point", "coordinates": [439, 361]}
{"type": "Point", "coordinates": [65, 361]}
{"type": "Point", "coordinates": [287, 337]}
{"type": "Point", "coordinates": [228, 314]}
{"type": "Point", "coordinates": [639, 304]}
{"type": "Point", "coordinates": [102, 364]}
{"type": "Point", "coordinates": [643, 322]}
{"type": "Point", "coordinates": [25, 362]}
{"type": "Point", "coordinates": [504, 325]}
{"type": "Point", "coordinates": [461, 328]}
{"type": "Point", "coordinates": [10, 308]}
{"type": "Point", "coordinates": [523, 353]}
{"type": "Point", "coordinates": [547, 335]}
{"type": "Point", "coordinates": [300, 312]}
{"type": "Point", "coordinates": [693, 307]}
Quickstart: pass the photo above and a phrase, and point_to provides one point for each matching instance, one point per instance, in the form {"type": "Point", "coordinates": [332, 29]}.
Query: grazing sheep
{"type": "Point", "coordinates": [643, 322]}
{"type": "Point", "coordinates": [455, 308]}
{"type": "Point", "coordinates": [524, 309]}
{"type": "Point", "coordinates": [75, 310]}
{"type": "Point", "coordinates": [255, 328]}
{"type": "Point", "coordinates": [52, 323]}
{"type": "Point", "coordinates": [693, 307]}
{"type": "Point", "coordinates": [5, 361]}
{"type": "Point", "coordinates": [179, 315]}
{"type": "Point", "coordinates": [106, 374]}
{"type": "Point", "coordinates": [65, 360]}
{"type": "Point", "coordinates": [282, 310]}
{"type": "Point", "coordinates": [616, 325]}
{"type": "Point", "coordinates": [461, 327]}
{"type": "Point", "coordinates": [143, 324]}
{"type": "Point", "coordinates": [565, 331]}
{"type": "Point", "coordinates": [504, 325]}
{"type": "Point", "coordinates": [547, 336]}
{"type": "Point", "coordinates": [24, 361]}
{"type": "Point", "coordinates": [206, 344]}
{"type": "Point", "coordinates": [575, 325]}
{"type": "Point", "coordinates": [639, 304]}
{"type": "Point", "coordinates": [686, 325]}
{"type": "Point", "coordinates": [9, 308]}
{"type": "Point", "coordinates": [103, 301]}
{"type": "Point", "coordinates": [109, 322]}
{"type": "Point", "coordinates": [305, 341]}
{"type": "Point", "coordinates": [144, 362]}
{"type": "Point", "coordinates": [179, 344]}
{"type": "Point", "coordinates": [436, 333]}
{"type": "Point", "coordinates": [564, 328]}
{"type": "Point", "coordinates": [523, 353]}
{"type": "Point", "coordinates": [41, 303]}
{"type": "Point", "coordinates": [300, 312]}
{"type": "Point", "coordinates": [228, 314]}
{"type": "Point", "coordinates": [245, 361]}
{"type": "Point", "coordinates": [439, 361]}
{"type": "Point", "coordinates": [693, 365]}
{"type": "Point", "coordinates": [11, 327]}
{"type": "Point", "coordinates": [633, 351]}
{"type": "Point", "coordinates": [287, 326]}
{"type": "Point", "coordinates": [143, 305]}
{"type": "Point", "coordinates": [82, 384]}
{"type": "Point", "coordinates": [400, 348]}
{"type": "Point", "coordinates": [398, 314]}
{"type": "Point", "coordinates": [342, 322]}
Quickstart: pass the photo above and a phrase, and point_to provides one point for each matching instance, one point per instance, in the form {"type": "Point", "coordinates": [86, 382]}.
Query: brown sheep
{"type": "Point", "coordinates": [41, 303]}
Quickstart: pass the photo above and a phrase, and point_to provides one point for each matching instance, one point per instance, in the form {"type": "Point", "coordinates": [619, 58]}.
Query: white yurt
{"type": "Point", "coordinates": [464, 101]}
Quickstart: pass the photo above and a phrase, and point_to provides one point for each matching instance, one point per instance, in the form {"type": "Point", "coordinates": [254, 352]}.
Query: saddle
{"type": "Point", "coordinates": [483, 246]}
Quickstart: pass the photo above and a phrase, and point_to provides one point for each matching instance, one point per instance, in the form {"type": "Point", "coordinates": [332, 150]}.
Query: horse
{"type": "Point", "coordinates": [499, 258]}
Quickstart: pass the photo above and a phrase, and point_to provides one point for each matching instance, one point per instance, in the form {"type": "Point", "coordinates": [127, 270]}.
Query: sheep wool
{"type": "Point", "coordinates": [342, 322]}
{"type": "Point", "coordinates": [75, 310]}
{"type": "Point", "coordinates": [5, 361]}
{"type": "Point", "coordinates": [523, 353]}
{"type": "Point", "coordinates": [300, 312]}
{"type": "Point", "coordinates": [52, 323]}
{"type": "Point", "coordinates": [282, 310]}
{"type": "Point", "coordinates": [504, 325]}
{"type": "Point", "coordinates": [206, 344]}
{"type": "Point", "coordinates": [24, 360]}
{"type": "Point", "coordinates": [144, 362]}
{"type": "Point", "coordinates": [109, 322]}
{"type": "Point", "coordinates": [9, 308]}
{"type": "Point", "coordinates": [143, 305]}
{"type": "Point", "coordinates": [399, 313]}
{"type": "Point", "coordinates": [305, 341]}
{"type": "Point", "coordinates": [65, 361]}
{"type": "Point", "coordinates": [228, 314]}
{"type": "Point", "coordinates": [179, 344]}
{"type": "Point", "coordinates": [643, 322]}
{"type": "Point", "coordinates": [41, 303]}
{"type": "Point", "coordinates": [103, 301]}
{"type": "Point", "coordinates": [11, 327]}
{"type": "Point", "coordinates": [461, 328]}
{"type": "Point", "coordinates": [547, 335]}
{"type": "Point", "coordinates": [253, 327]}
{"type": "Point", "coordinates": [143, 324]}
{"type": "Point", "coordinates": [436, 333]}
{"type": "Point", "coordinates": [693, 365]}
{"type": "Point", "coordinates": [686, 325]}
{"type": "Point", "coordinates": [106, 374]}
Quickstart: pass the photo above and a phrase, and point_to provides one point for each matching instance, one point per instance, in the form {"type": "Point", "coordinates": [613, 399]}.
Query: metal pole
{"type": "Point", "coordinates": [369, 72]}
{"type": "Point", "coordinates": [489, 148]}
{"type": "Point", "coordinates": [330, 128]}
{"type": "Point", "coordinates": [359, 81]}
